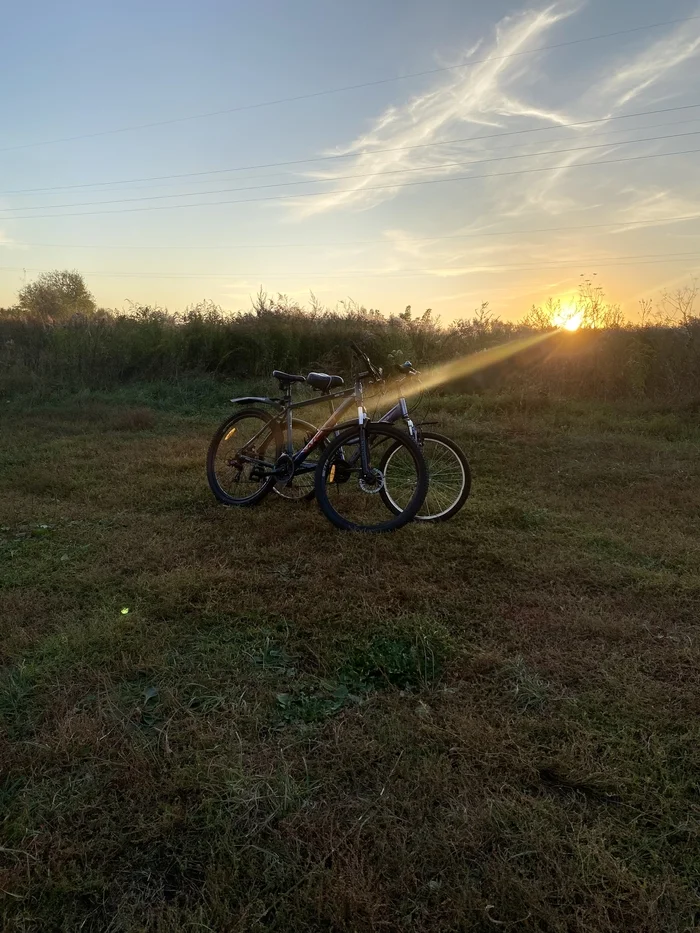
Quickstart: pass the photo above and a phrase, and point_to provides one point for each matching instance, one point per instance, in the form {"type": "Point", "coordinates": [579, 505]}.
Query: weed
{"type": "Point", "coordinates": [529, 690]}
{"type": "Point", "coordinates": [309, 706]}
{"type": "Point", "coordinates": [17, 701]}
{"type": "Point", "coordinates": [406, 663]}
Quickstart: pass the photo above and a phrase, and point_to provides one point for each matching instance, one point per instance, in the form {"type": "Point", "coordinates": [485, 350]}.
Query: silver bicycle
{"type": "Point", "coordinates": [448, 468]}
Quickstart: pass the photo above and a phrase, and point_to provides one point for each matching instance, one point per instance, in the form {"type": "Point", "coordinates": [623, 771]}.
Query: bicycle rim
{"type": "Point", "coordinates": [449, 482]}
{"type": "Point", "coordinates": [245, 443]}
{"type": "Point", "coordinates": [353, 501]}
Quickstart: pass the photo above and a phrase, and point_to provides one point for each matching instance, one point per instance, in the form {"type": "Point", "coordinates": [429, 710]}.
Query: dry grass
{"type": "Point", "coordinates": [491, 724]}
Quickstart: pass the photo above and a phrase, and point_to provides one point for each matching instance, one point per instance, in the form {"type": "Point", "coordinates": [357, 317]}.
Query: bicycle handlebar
{"type": "Point", "coordinates": [361, 353]}
{"type": "Point", "coordinates": [377, 373]}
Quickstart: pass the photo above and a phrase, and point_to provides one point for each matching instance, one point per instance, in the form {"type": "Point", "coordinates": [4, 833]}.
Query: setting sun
{"type": "Point", "coordinates": [574, 322]}
{"type": "Point", "coordinates": [568, 318]}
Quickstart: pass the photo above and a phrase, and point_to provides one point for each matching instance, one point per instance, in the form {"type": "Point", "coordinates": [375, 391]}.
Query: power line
{"type": "Point", "coordinates": [599, 261]}
{"type": "Point", "coordinates": [317, 194]}
{"type": "Point", "coordinates": [349, 87]}
{"type": "Point", "coordinates": [318, 181]}
{"type": "Point", "coordinates": [447, 142]}
{"type": "Point", "coordinates": [605, 133]}
{"type": "Point", "coordinates": [454, 236]}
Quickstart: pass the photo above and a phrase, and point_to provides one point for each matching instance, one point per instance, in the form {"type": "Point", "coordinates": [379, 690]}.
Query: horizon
{"type": "Point", "coordinates": [460, 157]}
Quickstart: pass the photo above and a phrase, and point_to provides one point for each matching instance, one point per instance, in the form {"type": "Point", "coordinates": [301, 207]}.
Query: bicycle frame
{"type": "Point", "coordinates": [351, 396]}
{"type": "Point", "coordinates": [399, 412]}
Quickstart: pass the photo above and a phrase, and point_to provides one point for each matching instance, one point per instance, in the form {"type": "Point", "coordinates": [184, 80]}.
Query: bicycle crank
{"type": "Point", "coordinates": [284, 470]}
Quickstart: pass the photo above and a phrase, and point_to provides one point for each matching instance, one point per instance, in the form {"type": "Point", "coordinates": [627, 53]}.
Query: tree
{"type": "Point", "coordinates": [56, 296]}
{"type": "Point", "coordinates": [542, 317]}
{"type": "Point", "coordinates": [679, 307]}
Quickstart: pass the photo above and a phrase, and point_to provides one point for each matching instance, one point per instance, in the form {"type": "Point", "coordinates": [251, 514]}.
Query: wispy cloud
{"type": "Point", "coordinates": [11, 244]}
{"type": "Point", "coordinates": [493, 93]}
{"type": "Point", "coordinates": [656, 203]}
{"type": "Point", "coordinates": [560, 191]}
{"type": "Point", "coordinates": [478, 95]}
{"type": "Point", "coordinates": [652, 64]}
{"type": "Point", "coordinates": [521, 94]}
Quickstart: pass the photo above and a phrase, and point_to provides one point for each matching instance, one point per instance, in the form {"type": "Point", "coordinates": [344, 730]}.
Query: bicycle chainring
{"type": "Point", "coordinates": [284, 469]}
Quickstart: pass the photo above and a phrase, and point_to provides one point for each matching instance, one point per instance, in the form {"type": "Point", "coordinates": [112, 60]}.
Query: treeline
{"type": "Point", "coordinates": [98, 348]}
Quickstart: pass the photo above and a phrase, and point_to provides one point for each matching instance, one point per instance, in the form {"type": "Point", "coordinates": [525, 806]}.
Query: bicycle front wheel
{"type": "Point", "coordinates": [351, 498]}
{"type": "Point", "coordinates": [450, 478]}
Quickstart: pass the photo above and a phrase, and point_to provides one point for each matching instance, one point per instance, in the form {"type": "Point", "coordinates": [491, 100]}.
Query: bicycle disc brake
{"type": "Point", "coordinates": [374, 487]}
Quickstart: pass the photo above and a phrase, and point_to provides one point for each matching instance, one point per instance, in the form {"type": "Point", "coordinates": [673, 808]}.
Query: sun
{"type": "Point", "coordinates": [568, 318]}
{"type": "Point", "coordinates": [574, 322]}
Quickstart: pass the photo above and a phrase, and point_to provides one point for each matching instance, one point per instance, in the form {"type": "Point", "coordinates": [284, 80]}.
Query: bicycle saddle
{"type": "Point", "coordinates": [324, 381]}
{"type": "Point", "coordinates": [286, 377]}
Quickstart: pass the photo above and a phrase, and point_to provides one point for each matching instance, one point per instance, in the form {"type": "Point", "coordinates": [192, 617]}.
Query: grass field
{"type": "Point", "coordinates": [491, 724]}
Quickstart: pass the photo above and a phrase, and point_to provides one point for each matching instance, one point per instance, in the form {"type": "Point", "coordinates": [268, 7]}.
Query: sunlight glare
{"type": "Point", "coordinates": [474, 363]}
{"type": "Point", "coordinates": [568, 318]}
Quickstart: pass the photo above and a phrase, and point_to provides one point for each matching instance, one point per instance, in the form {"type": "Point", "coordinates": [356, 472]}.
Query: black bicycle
{"type": "Point", "coordinates": [448, 466]}
{"type": "Point", "coordinates": [255, 451]}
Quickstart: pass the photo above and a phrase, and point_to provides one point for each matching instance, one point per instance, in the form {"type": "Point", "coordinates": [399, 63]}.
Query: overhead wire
{"type": "Point", "coordinates": [398, 185]}
{"type": "Point", "coordinates": [625, 224]}
{"type": "Point", "coordinates": [317, 181]}
{"type": "Point", "coordinates": [326, 158]}
{"type": "Point", "coordinates": [599, 261]}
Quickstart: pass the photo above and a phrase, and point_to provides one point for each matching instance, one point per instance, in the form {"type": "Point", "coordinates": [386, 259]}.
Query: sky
{"type": "Point", "coordinates": [436, 154]}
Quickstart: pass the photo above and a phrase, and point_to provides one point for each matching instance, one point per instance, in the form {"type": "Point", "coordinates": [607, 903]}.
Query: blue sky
{"type": "Point", "coordinates": [447, 239]}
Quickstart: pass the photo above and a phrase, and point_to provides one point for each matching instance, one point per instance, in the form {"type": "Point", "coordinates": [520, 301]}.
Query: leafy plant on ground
{"type": "Point", "coordinates": [408, 663]}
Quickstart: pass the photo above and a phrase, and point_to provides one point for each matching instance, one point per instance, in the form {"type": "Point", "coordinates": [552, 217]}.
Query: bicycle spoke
{"type": "Point", "coordinates": [447, 479]}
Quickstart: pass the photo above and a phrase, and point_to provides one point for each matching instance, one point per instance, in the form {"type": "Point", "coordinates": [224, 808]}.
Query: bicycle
{"type": "Point", "coordinates": [253, 451]}
{"type": "Point", "coordinates": [448, 468]}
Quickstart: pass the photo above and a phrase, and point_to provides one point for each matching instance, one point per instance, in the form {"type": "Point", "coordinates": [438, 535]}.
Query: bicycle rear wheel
{"type": "Point", "coordinates": [450, 478]}
{"type": "Point", "coordinates": [238, 450]}
{"type": "Point", "coordinates": [352, 501]}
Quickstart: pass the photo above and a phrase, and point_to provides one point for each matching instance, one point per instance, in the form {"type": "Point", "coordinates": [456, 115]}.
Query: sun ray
{"type": "Point", "coordinates": [475, 362]}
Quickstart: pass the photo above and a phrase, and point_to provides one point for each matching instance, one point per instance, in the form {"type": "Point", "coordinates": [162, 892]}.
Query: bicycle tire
{"type": "Point", "coordinates": [423, 514]}
{"type": "Point", "coordinates": [222, 431]}
{"type": "Point", "coordinates": [323, 477]}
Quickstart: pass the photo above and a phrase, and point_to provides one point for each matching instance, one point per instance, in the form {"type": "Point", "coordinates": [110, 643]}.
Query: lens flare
{"type": "Point", "coordinates": [475, 362]}
{"type": "Point", "coordinates": [568, 318]}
